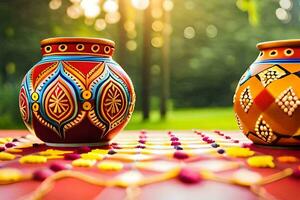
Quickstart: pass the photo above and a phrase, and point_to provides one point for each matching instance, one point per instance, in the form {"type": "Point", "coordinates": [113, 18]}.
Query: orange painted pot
{"type": "Point", "coordinates": [266, 101]}
{"type": "Point", "coordinates": [76, 94]}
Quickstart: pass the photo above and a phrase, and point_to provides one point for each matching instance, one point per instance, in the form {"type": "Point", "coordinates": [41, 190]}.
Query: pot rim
{"type": "Point", "coordinates": [278, 43]}
{"type": "Point", "coordinates": [54, 40]}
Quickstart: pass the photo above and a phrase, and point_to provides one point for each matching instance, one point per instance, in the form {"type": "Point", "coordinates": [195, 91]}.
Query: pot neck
{"type": "Point", "coordinates": [279, 50]}
{"type": "Point", "coordinates": [77, 46]}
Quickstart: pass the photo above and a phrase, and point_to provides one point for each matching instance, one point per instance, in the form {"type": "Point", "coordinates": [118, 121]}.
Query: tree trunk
{"type": "Point", "coordinates": [146, 63]}
{"type": "Point", "coordinates": [122, 34]}
{"type": "Point", "coordinates": [165, 69]}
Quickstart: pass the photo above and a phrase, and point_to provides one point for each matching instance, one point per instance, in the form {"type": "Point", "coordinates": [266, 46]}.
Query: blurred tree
{"type": "Point", "coordinates": [146, 63]}
{"type": "Point", "coordinates": [165, 66]}
{"type": "Point", "coordinates": [211, 45]}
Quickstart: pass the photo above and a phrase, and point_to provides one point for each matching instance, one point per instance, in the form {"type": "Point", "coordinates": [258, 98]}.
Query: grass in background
{"type": "Point", "coordinates": [180, 119]}
{"type": "Point", "coordinates": [183, 119]}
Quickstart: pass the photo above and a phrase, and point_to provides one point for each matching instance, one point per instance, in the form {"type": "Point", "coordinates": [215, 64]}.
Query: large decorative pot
{"type": "Point", "coordinates": [266, 101]}
{"type": "Point", "coordinates": [77, 94]}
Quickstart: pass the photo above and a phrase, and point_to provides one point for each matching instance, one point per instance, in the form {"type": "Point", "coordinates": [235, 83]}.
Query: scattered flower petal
{"type": "Point", "coordinates": [83, 162]}
{"type": "Point", "coordinates": [110, 166]}
{"type": "Point", "coordinates": [239, 152]}
{"type": "Point", "coordinates": [33, 159]}
{"type": "Point", "coordinates": [261, 161]}
{"type": "Point", "coordinates": [287, 159]}
{"type": "Point", "coordinates": [92, 156]}
{"type": "Point", "coordinates": [10, 175]}
{"type": "Point", "coordinates": [50, 152]}
{"type": "Point", "coordinates": [57, 166]}
{"type": "Point", "coordinates": [6, 156]}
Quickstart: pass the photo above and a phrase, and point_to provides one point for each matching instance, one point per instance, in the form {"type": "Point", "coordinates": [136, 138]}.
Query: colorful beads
{"type": "Point", "coordinates": [83, 162]}
{"type": "Point", "coordinates": [84, 149]}
{"type": "Point", "coordinates": [6, 156]}
{"type": "Point", "coordinates": [110, 166]}
{"type": "Point", "coordinates": [189, 176]}
{"type": "Point", "coordinates": [72, 156]}
{"type": "Point", "coordinates": [287, 159]}
{"type": "Point", "coordinates": [111, 152]}
{"type": "Point", "coordinates": [296, 173]}
{"type": "Point", "coordinates": [221, 151]}
{"type": "Point", "coordinates": [9, 145]}
{"type": "Point", "coordinates": [129, 178]}
{"type": "Point", "coordinates": [261, 161]}
{"type": "Point", "coordinates": [178, 148]}
{"type": "Point", "coordinates": [41, 174]}
{"type": "Point", "coordinates": [10, 175]}
{"type": "Point", "coordinates": [215, 145]}
{"type": "Point", "coordinates": [180, 155]}
{"type": "Point", "coordinates": [59, 166]}
{"type": "Point", "coordinates": [175, 143]}
{"type": "Point", "coordinates": [33, 159]}
{"type": "Point", "coordinates": [239, 152]}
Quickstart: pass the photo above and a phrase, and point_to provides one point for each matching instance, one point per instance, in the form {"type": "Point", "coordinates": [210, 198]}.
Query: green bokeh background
{"type": "Point", "coordinates": [204, 69]}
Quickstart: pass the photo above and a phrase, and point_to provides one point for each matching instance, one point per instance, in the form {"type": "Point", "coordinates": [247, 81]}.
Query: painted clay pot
{"type": "Point", "coordinates": [267, 99]}
{"type": "Point", "coordinates": [76, 94]}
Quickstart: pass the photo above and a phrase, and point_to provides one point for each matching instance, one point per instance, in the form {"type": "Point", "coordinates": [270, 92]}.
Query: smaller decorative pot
{"type": "Point", "coordinates": [266, 101]}
{"type": "Point", "coordinates": [77, 94]}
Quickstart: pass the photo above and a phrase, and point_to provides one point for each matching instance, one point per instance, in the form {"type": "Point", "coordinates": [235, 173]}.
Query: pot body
{"type": "Point", "coordinates": [266, 101]}
{"type": "Point", "coordinates": [77, 94]}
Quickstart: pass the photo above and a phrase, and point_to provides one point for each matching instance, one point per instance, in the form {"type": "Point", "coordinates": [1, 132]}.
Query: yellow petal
{"type": "Point", "coordinates": [100, 151]}
{"type": "Point", "coordinates": [6, 156]}
{"type": "Point", "coordinates": [261, 161]}
{"type": "Point", "coordinates": [50, 152]}
{"type": "Point", "coordinates": [83, 162]}
{"type": "Point", "coordinates": [287, 159]}
{"type": "Point", "coordinates": [92, 156]}
{"type": "Point", "coordinates": [110, 166]}
{"type": "Point", "coordinates": [5, 140]}
{"type": "Point", "coordinates": [13, 150]}
{"type": "Point", "coordinates": [9, 175]}
{"type": "Point", "coordinates": [239, 152]}
{"type": "Point", "coordinates": [33, 159]}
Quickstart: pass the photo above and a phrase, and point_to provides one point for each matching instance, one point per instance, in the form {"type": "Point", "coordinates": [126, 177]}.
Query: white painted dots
{"type": "Point", "coordinates": [246, 99]}
{"type": "Point", "coordinates": [270, 76]}
{"type": "Point", "coordinates": [238, 122]}
{"type": "Point", "coordinates": [263, 130]}
{"type": "Point", "coordinates": [288, 101]}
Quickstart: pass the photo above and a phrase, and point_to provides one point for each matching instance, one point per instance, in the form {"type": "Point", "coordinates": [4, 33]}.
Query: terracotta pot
{"type": "Point", "coordinates": [266, 101]}
{"type": "Point", "coordinates": [77, 94]}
